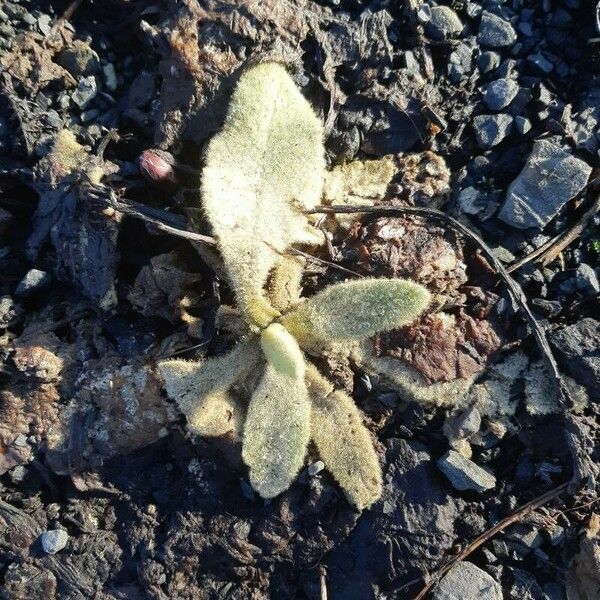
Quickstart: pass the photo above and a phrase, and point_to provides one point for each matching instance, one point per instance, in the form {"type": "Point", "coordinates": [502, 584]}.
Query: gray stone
{"type": "Point", "coordinates": [495, 32]}
{"type": "Point", "coordinates": [469, 201]}
{"type": "Point", "coordinates": [540, 63]}
{"type": "Point", "coordinates": [578, 348]}
{"type": "Point", "coordinates": [8, 310]}
{"type": "Point", "coordinates": [492, 129]}
{"type": "Point", "coordinates": [34, 281]}
{"type": "Point", "coordinates": [54, 540]}
{"type": "Point", "coordinates": [6, 219]}
{"type": "Point", "coordinates": [549, 179]}
{"type": "Point", "coordinates": [587, 280]}
{"type": "Point", "coordinates": [424, 13]}
{"type": "Point", "coordinates": [44, 24]}
{"type": "Point", "coordinates": [488, 61]}
{"type": "Point", "coordinates": [463, 425]}
{"type": "Point", "coordinates": [85, 92]}
{"type": "Point", "coordinates": [315, 468]}
{"type": "Point", "coordinates": [465, 581]}
{"type": "Point", "coordinates": [500, 93]}
{"type": "Point", "coordinates": [444, 23]}
{"type": "Point", "coordinates": [79, 59]}
{"type": "Point", "coordinates": [522, 125]}
{"type": "Point", "coordinates": [527, 536]}
{"type": "Point", "coordinates": [464, 474]}
{"type": "Point", "coordinates": [110, 77]}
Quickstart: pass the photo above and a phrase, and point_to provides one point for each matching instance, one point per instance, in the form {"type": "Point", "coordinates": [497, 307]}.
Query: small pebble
{"type": "Point", "coordinates": [464, 474]}
{"type": "Point", "coordinates": [488, 61]}
{"type": "Point", "coordinates": [540, 64]}
{"type": "Point", "coordinates": [86, 91]}
{"type": "Point", "coordinates": [34, 281]}
{"type": "Point", "coordinates": [315, 468]}
{"type": "Point", "coordinates": [492, 129]}
{"type": "Point", "coordinates": [54, 540]}
{"type": "Point", "coordinates": [110, 76]}
{"type": "Point", "coordinates": [500, 93]}
{"type": "Point", "coordinates": [587, 280]}
{"type": "Point", "coordinates": [522, 125]}
{"type": "Point", "coordinates": [495, 32]}
{"type": "Point", "coordinates": [444, 23]}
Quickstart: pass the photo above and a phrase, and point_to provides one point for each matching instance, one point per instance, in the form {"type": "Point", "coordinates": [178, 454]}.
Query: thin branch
{"type": "Point", "coordinates": [324, 262]}
{"type": "Point", "coordinates": [513, 287]}
{"type": "Point", "coordinates": [552, 248]}
{"type": "Point", "coordinates": [487, 535]}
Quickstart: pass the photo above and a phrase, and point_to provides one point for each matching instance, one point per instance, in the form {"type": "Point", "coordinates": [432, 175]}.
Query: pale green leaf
{"type": "Point", "coordinates": [261, 171]}
{"type": "Point", "coordinates": [343, 442]}
{"type": "Point", "coordinates": [276, 432]}
{"type": "Point", "coordinates": [356, 310]}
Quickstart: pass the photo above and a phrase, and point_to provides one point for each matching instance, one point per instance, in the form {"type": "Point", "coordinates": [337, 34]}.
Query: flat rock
{"type": "Point", "coordinates": [495, 32]}
{"type": "Point", "coordinates": [464, 474]}
{"type": "Point", "coordinates": [549, 179]}
{"type": "Point", "coordinates": [491, 129]}
{"type": "Point", "coordinates": [578, 348]}
{"type": "Point", "coordinates": [34, 281]}
{"type": "Point", "coordinates": [465, 581]}
{"type": "Point", "coordinates": [444, 23]}
{"type": "Point", "coordinates": [500, 93]}
{"type": "Point", "coordinates": [54, 540]}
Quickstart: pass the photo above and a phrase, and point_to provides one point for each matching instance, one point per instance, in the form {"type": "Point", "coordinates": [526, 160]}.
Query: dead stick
{"type": "Point", "coordinates": [514, 288]}
{"type": "Point", "coordinates": [552, 248]}
{"type": "Point", "coordinates": [486, 535]}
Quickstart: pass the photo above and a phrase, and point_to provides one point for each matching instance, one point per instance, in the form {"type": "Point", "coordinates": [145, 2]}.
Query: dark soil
{"type": "Point", "coordinates": [88, 441]}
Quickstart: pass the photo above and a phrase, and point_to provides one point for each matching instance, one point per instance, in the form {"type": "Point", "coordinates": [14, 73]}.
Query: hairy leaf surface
{"type": "Point", "coordinates": [356, 310]}
{"type": "Point", "coordinates": [276, 432]}
{"type": "Point", "coordinates": [262, 170]}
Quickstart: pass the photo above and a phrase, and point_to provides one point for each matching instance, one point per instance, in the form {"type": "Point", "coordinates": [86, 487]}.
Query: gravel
{"type": "Point", "coordinates": [500, 93]}
{"type": "Point", "coordinates": [540, 63]}
{"type": "Point", "coordinates": [464, 474]}
{"type": "Point", "coordinates": [495, 32]}
{"type": "Point", "coordinates": [465, 581]}
{"type": "Point", "coordinates": [34, 281]}
{"type": "Point", "coordinates": [587, 280]}
{"type": "Point", "coordinates": [86, 91]}
{"type": "Point", "coordinates": [490, 130]}
{"type": "Point", "coordinates": [54, 540]}
{"type": "Point", "coordinates": [550, 178]}
{"type": "Point", "coordinates": [444, 23]}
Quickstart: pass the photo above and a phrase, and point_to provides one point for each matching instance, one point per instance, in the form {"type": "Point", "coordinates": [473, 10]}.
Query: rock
{"type": "Point", "coordinates": [587, 280]}
{"type": "Point", "coordinates": [44, 24]}
{"type": "Point", "coordinates": [54, 540]}
{"type": "Point", "coordinates": [424, 13]}
{"type": "Point", "coordinates": [34, 281]}
{"type": "Point", "coordinates": [315, 468]}
{"type": "Point", "coordinates": [522, 125]}
{"type": "Point", "coordinates": [86, 91]}
{"type": "Point", "coordinates": [578, 348]}
{"type": "Point", "coordinates": [491, 129]}
{"type": "Point", "coordinates": [500, 93]}
{"type": "Point", "coordinates": [110, 76]}
{"type": "Point", "coordinates": [465, 581]}
{"type": "Point", "coordinates": [549, 179]}
{"type": "Point", "coordinates": [495, 32]}
{"type": "Point", "coordinates": [464, 474]}
{"type": "Point", "coordinates": [443, 24]}
{"type": "Point", "coordinates": [460, 62]}
{"type": "Point", "coordinates": [8, 311]}
{"type": "Point", "coordinates": [79, 59]}
{"type": "Point", "coordinates": [463, 425]}
{"type": "Point", "coordinates": [488, 61]}
{"type": "Point", "coordinates": [6, 219]}
{"type": "Point", "coordinates": [540, 63]}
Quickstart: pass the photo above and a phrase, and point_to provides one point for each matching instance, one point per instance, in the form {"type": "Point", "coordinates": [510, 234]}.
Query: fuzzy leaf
{"type": "Point", "coordinates": [276, 432]}
{"type": "Point", "coordinates": [282, 350]}
{"type": "Point", "coordinates": [262, 169]}
{"type": "Point", "coordinates": [285, 282]}
{"type": "Point", "coordinates": [356, 310]}
{"type": "Point", "coordinates": [201, 390]}
{"type": "Point", "coordinates": [343, 442]}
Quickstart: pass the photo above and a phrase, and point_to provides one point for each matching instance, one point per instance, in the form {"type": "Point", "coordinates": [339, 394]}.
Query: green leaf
{"type": "Point", "coordinates": [201, 389]}
{"type": "Point", "coordinates": [282, 350]}
{"type": "Point", "coordinates": [276, 432]}
{"type": "Point", "coordinates": [262, 170]}
{"type": "Point", "coordinates": [356, 310]}
{"type": "Point", "coordinates": [343, 442]}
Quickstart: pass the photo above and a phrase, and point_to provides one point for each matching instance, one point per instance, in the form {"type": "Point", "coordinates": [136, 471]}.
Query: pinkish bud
{"type": "Point", "coordinates": [157, 165]}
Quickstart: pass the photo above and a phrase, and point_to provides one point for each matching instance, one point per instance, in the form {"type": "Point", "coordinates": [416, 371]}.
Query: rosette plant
{"type": "Point", "coordinates": [263, 171]}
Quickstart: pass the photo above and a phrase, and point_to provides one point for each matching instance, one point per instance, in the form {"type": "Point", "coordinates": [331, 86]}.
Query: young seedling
{"type": "Point", "coordinates": [262, 171]}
